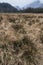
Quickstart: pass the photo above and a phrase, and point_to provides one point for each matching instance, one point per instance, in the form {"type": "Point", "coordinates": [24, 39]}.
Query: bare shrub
{"type": "Point", "coordinates": [11, 19]}
{"type": "Point", "coordinates": [28, 48]}
{"type": "Point", "coordinates": [41, 38]}
{"type": "Point", "coordinates": [1, 18]}
{"type": "Point", "coordinates": [17, 26]}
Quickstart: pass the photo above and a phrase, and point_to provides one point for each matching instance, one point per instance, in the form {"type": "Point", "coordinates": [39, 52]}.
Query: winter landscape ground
{"type": "Point", "coordinates": [21, 39]}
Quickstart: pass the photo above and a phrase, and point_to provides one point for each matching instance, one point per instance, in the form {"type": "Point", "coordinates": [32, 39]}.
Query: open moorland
{"type": "Point", "coordinates": [21, 39]}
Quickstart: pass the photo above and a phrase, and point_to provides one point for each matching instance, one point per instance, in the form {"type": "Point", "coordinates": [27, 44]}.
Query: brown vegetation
{"type": "Point", "coordinates": [21, 39]}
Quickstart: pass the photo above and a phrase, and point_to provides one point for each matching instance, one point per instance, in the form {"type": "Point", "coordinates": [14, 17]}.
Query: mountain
{"type": "Point", "coordinates": [41, 6]}
{"type": "Point", "coordinates": [35, 4]}
{"type": "Point", "coordinates": [5, 7]}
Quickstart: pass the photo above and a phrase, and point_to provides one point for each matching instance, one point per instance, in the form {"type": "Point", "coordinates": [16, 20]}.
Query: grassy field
{"type": "Point", "coordinates": [21, 39]}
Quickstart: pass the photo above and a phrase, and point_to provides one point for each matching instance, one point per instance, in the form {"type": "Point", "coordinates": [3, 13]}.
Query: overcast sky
{"type": "Point", "coordinates": [19, 3]}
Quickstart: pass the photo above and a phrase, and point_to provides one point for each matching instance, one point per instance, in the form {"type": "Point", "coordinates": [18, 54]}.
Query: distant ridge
{"type": "Point", "coordinates": [35, 7]}
{"type": "Point", "coordinates": [35, 4]}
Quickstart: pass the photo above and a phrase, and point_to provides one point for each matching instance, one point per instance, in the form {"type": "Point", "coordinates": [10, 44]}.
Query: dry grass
{"type": "Point", "coordinates": [21, 39]}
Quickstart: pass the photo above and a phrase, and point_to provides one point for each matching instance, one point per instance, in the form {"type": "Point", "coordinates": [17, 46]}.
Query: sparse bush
{"type": "Point", "coordinates": [17, 27]}
{"type": "Point", "coordinates": [1, 18]}
{"type": "Point", "coordinates": [12, 20]}
{"type": "Point", "coordinates": [41, 38]}
{"type": "Point", "coordinates": [29, 53]}
{"type": "Point", "coordinates": [37, 20]}
{"type": "Point", "coordinates": [40, 16]}
{"type": "Point", "coordinates": [30, 23]}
